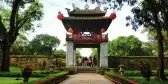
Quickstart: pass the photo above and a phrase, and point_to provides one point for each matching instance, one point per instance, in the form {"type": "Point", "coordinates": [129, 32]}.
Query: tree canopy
{"type": "Point", "coordinates": [152, 14]}
{"type": "Point", "coordinates": [13, 21]}
{"type": "Point", "coordinates": [125, 46]}
{"type": "Point", "coordinates": [44, 44]}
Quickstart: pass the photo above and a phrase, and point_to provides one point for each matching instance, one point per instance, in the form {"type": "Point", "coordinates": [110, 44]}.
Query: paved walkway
{"type": "Point", "coordinates": [86, 78]}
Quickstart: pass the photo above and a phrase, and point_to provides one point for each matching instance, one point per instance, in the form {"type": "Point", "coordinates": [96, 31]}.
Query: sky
{"type": "Point", "coordinates": [52, 26]}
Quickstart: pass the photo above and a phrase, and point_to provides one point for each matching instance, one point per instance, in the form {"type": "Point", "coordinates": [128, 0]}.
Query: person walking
{"type": "Point", "coordinates": [86, 61]}
{"type": "Point", "coordinates": [90, 61]}
{"type": "Point", "coordinates": [94, 61]}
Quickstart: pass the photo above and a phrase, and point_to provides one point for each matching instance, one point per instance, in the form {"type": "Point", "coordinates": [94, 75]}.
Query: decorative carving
{"type": "Point", "coordinates": [86, 7]}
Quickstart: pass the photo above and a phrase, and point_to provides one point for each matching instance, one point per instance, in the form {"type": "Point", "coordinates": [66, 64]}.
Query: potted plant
{"type": "Point", "coordinates": [27, 72]}
{"type": "Point", "coordinates": [145, 70]}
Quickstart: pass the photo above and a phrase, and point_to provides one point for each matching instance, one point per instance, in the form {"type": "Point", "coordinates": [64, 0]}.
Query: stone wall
{"type": "Point", "coordinates": [35, 61]}
{"type": "Point", "coordinates": [131, 61]}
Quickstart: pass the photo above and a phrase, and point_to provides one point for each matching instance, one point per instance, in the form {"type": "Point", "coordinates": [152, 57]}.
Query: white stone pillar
{"type": "Point", "coordinates": [104, 54]}
{"type": "Point", "coordinates": [74, 57]}
{"type": "Point", "coordinates": [70, 54]}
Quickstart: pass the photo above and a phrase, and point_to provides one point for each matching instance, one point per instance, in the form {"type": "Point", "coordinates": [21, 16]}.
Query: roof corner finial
{"type": "Point", "coordinates": [67, 9]}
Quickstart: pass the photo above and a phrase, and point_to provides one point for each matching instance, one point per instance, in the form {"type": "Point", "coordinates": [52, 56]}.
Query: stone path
{"type": "Point", "coordinates": [86, 78]}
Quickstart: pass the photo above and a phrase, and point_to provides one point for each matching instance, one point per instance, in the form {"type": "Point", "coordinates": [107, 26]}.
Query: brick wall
{"type": "Point", "coordinates": [131, 61]}
{"type": "Point", "coordinates": [35, 61]}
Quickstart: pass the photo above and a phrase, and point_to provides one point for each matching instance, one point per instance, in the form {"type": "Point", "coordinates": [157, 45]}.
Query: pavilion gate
{"type": "Point", "coordinates": [86, 29]}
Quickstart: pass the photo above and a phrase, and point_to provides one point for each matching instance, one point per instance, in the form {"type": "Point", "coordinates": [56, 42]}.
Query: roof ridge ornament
{"type": "Point", "coordinates": [98, 7]}
{"type": "Point", "coordinates": [86, 7]}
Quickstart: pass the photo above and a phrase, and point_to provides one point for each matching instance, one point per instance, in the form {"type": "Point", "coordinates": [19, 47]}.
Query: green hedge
{"type": "Point", "coordinates": [18, 74]}
{"type": "Point", "coordinates": [119, 78]}
{"type": "Point", "coordinates": [51, 79]}
{"type": "Point", "coordinates": [137, 73]}
{"type": "Point", "coordinates": [102, 70]}
{"type": "Point", "coordinates": [141, 80]}
{"type": "Point", "coordinates": [70, 70]}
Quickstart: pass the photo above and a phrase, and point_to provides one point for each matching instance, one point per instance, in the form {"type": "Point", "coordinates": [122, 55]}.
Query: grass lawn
{"type": "Point", "coordinates": [12, 80]}
{"type": "Point", "coordinates": [14, 69]}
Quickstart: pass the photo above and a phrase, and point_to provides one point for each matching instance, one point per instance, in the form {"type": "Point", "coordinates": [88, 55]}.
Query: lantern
{"type": "Point", "coordinates": [99, 37]}
{"type": "Point", "coordinates": [70, 30]}
{"type": "Point", "coordinates": [113, 16]}
{"type": "Point", "coordinates": [102, 30]}
{"type": "Point", "coordinates": [60, 16]}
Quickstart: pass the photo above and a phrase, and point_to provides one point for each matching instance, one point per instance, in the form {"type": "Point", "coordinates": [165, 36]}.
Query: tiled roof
{"type": "Point", "coordinates": [94, 11]}
{"type": "Point", "coordinates": [73, 17]}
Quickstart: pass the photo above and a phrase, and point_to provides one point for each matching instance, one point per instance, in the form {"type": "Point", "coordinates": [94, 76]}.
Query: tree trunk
{"type": "Point", "coordinates": [160, 53]}
{"type": "Point", "coordinates": [6, 58]}
{"type": "Point", "coordinates": [1, 55]}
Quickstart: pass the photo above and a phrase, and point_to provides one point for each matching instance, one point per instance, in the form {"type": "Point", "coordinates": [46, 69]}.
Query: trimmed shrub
{"type": "Point", "coordinates": [71, 70]}
{"type": "Point", "coordinates": [52, 79]}
{"type": "Point", "coordinates": [102, 70]}
{"type": "Point", "coordinates": [18, 74]}
{"type": "Point", "coordinates": [137, 73]}
{"type": "Point", "coordinates": [140, 80]}
{"type": "Point", "coordinates": [120, 79]}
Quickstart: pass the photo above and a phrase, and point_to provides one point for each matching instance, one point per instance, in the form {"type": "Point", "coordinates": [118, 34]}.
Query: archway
{"type": "Point", "coordinates": [86, 29]}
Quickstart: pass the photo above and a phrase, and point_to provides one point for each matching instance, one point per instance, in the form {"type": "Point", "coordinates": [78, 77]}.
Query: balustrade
{"type": "Point", "coordinates": [101, 37]}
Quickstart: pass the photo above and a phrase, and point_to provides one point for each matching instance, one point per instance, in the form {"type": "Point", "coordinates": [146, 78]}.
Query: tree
{"type": "Point", "coordinates": [19, 46]}
{"type": "Point", "coordinates": [59, 53]}
{"type": "Point", "coordinates": [152, 14]}
{"type": "Point", "coordinates": [112, 4]}
{"type": "Point", "coordinates": [78, 54]}
{"type": "Point", "coordinates": [148, 49]}
{"type": "Point", "coordinates": [20, 19]}
{"type": "Point", "coordinates": [44, 44]}
{"type": "Point", "coordinates": [125, 46]}
{"type": "Point", "coordinates": [94, 52]}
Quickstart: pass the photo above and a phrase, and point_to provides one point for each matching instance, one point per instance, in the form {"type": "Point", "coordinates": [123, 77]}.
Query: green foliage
{"type": "Point", "coordinates": [18, 74]}
{"type": "Point", "coordinates": [137, 79]}
{"type": "Point", "coordinates": [153, 40]}
{"type": "Point", "coordinates": [57, 77]}
{"type": "Point", "coordinates": [113, 61]}
{"type": "Point", "coordinates": [14, 69]}
{"type": "Point", "coordinates": [126, 46]}
{"type": "Point", "coordinates": [17, 20]}
{"type": "Point", "coordinates": [71, 70]}
{"type": "Point", "coordinates": [112, 4]}
{"type": "Point", "coordinates": [149, 48]}
{"type": "Point", "coordinates": [78, 54]}
{"type": "Point", "coordinates": [59, 53]}
{"type": "Point", "coordinates": [43, 44]}
{"type": "Point", "coordinates": [94, 52]}
{"type": "Point", "coordinates": [102, 70]}
{"type": "Point", "coordinates": [44, 64]}
{"type": "Point", "coordinates": [19, 46]}
{"type": "Point", "coordinates": [137, 73]}
{"type": "Point", "coordinates": [118, 78]}
{"type": "Point", "coordinates": [12, 80]}
{"type": "Point", "coordinates": [145, 68]}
